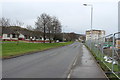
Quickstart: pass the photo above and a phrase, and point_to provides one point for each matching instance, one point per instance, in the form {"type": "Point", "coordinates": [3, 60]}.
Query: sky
{"type": "Point", "coordinates": [73, 15]}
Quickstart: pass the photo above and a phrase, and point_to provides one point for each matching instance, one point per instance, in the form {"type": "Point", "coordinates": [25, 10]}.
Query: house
{"type": "Point", "coordinates": [18, 33]}
{"type": "Point", "coordinates": [8, 34]}
{"type": "Point", "coordinates": [95, 35]}
{"type": "Point", "coordinates": [36, 35]}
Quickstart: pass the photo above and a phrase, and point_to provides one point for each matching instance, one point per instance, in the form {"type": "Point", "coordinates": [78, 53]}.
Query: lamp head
{"type": "Point", "coordinates": [85, 4]}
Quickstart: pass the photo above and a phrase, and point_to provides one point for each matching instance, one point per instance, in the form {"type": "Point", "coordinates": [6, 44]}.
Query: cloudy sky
{"type": "Point", "coordinates": [73, 15]}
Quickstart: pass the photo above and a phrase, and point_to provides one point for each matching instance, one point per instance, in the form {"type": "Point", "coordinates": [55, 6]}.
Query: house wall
{"type": "Point", "coordinates": [21, 36]}
{"type": "Point", "coordinates": [42, 38]}
{"type": "Point", "coordinates": [5, 36]}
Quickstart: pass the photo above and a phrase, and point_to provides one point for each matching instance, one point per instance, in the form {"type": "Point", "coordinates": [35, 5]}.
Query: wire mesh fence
{"type": "Point", "coordinates": [107, 51]}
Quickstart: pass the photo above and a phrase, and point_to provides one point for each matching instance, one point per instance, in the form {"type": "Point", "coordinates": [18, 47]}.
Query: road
{"type": "Point", "coordinates": [54, 63]}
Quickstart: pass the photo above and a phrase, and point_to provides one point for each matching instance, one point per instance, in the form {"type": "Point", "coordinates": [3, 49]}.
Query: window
{"type": "Point", "coordinates": [40, 37]}
{"type": "Point", "coordinates": [26, 36]}
{"type": "Point", "coordinates": [8, 35]}
{"type": "Point", "coordinates": [14, 36]}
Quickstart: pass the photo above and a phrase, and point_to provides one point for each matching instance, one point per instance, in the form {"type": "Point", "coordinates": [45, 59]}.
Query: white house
{"type": "Point", "coordinates": [15, 33]}
{"type": "Point", "coordinates": [8, 34]}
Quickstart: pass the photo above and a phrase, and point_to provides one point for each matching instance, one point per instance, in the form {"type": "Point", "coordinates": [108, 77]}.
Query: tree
{"type": "Point", "coordinates": [73, 36]}
{"type": "Point", "coordinates": [29, 27]}
{"type": "Point", "coordinates": [48, 25]}
{"type": "Point", "coordinates": [4, 22]}
{"type": "Point", "coordinates": [56, 27]}
{"type": "Point", "coordinates": [41, 24]}
{"type": "Point", "coordinates": [19, 23]}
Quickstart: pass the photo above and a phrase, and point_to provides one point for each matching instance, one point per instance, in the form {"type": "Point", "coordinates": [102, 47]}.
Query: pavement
{"type": "Point", "coordinates": [86, 67]}
{"type": "Point", "coordinates": [72, 61]}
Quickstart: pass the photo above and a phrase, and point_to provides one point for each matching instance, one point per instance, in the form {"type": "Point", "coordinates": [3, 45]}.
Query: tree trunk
{"type": "Point", "coordinates": [44, 33]}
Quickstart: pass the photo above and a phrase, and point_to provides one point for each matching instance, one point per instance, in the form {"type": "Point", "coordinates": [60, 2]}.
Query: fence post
{"type": "Point", "coordinates": [113, 52]}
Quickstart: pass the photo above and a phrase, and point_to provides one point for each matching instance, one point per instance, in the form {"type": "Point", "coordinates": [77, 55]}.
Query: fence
{"type": "Point", "coordinates": [107, 51]}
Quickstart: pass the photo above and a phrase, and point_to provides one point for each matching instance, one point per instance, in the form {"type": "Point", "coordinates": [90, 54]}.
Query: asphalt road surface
{"type": "Point", "coordinates": [54, 63]}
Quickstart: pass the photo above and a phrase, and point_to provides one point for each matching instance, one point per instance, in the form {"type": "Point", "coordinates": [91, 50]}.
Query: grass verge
{"type": "Point", "coordinates": [12, 49]}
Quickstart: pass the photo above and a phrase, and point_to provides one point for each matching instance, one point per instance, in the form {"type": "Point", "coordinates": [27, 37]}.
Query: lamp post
{"type": "Point", "coordinates": [63, 33]}
{"type": "Point", "coordinates": [91, 20]}
{"type": "Point", "coordinates": [91, 13]}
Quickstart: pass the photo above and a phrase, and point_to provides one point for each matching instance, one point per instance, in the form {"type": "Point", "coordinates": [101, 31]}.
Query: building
{"type": "Point", "coordinates": [18, 33]}
{"type": "Point", "coordinates": [95, 34]}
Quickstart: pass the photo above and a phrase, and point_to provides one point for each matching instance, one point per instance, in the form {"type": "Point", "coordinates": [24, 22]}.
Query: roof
{"type": "Point", "coordinates": [94, 30]}
{"type": "Point", "coordinates": [24, 31]}
{"type": "Point", "coordinates": [6, 30]}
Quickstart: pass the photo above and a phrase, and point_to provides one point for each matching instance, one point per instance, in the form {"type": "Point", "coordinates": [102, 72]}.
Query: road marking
{"type": "Point", "coordinates": [71, 69]}
{"type": "Point", "coordinates": [75, 62]}
{"type": "Point", "coordinates": [69, 75]}
{"type": "Point", "coordinates": [72, 66]}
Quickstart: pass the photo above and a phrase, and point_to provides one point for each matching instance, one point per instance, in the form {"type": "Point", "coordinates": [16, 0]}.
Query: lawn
{"type": "Point", "coordinates": [12, 49]}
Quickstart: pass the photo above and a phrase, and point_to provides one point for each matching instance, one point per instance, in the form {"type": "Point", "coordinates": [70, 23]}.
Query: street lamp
{"type": "Point", "coordinates": [91, 18]}
{"type": "Point", "coordinates": [91, 13]}
{"type": "Point", "coordinates": [63, 35]}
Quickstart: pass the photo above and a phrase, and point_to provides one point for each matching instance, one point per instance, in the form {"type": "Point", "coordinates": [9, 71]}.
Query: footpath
{"type": "Point", "coordinates": [86, 67]}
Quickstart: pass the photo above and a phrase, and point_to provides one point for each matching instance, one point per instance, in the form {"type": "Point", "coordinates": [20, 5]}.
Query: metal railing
{"type": "Point", "coordinates": [107, 51]}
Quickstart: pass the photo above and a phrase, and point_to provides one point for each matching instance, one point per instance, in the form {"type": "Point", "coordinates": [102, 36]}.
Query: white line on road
{"type": "Point", "coordinates": [71, 70]}
{"type": "Point", "coordinates": [69, 75]}
{"type": "Point", "coordinates": [75, 62]}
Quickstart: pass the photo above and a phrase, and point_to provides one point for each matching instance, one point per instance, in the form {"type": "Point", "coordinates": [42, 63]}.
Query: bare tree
{"type": "Point", "coordinates": [19, 23]}
{"type": "Point", "coordinates": [4, 22]}
{"type": "Point", "coordinates": [29, 27]}
{"type": "Point", "coordinates": [48, 25]}
{"type": "Point", "coordinates": [56, 27]}
{"type": "Point", "coordinates": [41, 24]}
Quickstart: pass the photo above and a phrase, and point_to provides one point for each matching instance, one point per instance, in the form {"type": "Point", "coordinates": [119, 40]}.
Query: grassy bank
{"type": "Point", "coordinates": [11, 49]}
